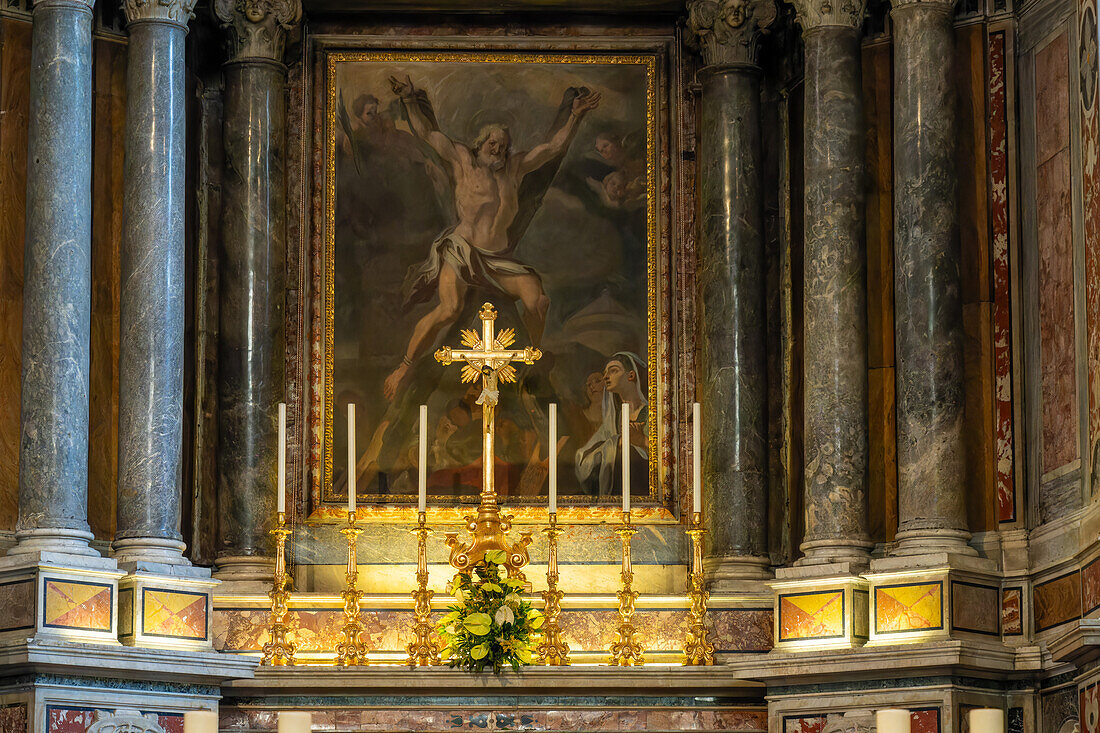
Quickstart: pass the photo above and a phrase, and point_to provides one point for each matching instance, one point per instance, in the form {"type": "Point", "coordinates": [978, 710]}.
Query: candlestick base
{"type": "Point", "coordinates": [697, 650]}
{"type": "Point", "coordinates": [625, 651]}
{"type": "Point", "coordinates": [422, 651]}
{"type": "Point", "coordinates": [552, 651]}
{"type": "Point", "coordinates": [351, 652]}
{"type": "Point", "coordinates": [278, 651]}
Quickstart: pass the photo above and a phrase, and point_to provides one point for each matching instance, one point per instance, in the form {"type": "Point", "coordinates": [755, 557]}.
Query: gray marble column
{"type": "Point", "coordinates": [53, 441]}
{"type": "Point", "coordinates": [928, 311]}
{"type": "Point", "coordinates": [251, 338]}
{"type": "Point", "coordinates": [835, 352]}
{"type": "Point", "coordinates": [150, 412]}
{"type": "Point", "coordinates": [730, 279]}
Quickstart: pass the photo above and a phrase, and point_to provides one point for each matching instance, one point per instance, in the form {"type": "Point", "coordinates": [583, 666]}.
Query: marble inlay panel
{"type": "Point", "coordinates": [13, 718]}
{"type": "Point", "coordinates": [175, 614]}
{"type": "Point", "coordinates": [811, 724]}
{"type": "Point", "coordinates": [818, 615]}
{"type": "Point", "coordinates": [975, 608]}
{"type": "Point", "coordinates": [1090, 175]}
{"type": "Point", "coordinates": [1090, 586]}
{"type": "Point", "coordinates": [908, 607]}
{"type": "Point", "coordinates": [1059, 710]}
{"type": "Point", "coordinates": [1012, 620]}
{"type": "Point", "coordinates": [1089, 709]}
{"type": "Point", "coordinates": [925, 721]}
{"type": "Point", "coordinates": [17, 605]}
{"type": "Point", "coordinates": [71, 719]}
{"type": "Point", "coordinates": [73, 605]}
{"type": "Point", "coordinates": [126, 612]}
{"type": "Point", "coordinates": [1057, 601]}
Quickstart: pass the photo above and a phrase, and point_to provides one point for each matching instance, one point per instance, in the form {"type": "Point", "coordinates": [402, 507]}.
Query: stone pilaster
{"type": "Point", "coordinates": [835, 286]}
{"type": "Point", "coordinates": [730, 275]}
{"type": "Point", "coordinates": [53, 441]}
{"type": "Point", "coordinates": [928, 310]}
{"type": "Point", "coordinates": [250, 352]}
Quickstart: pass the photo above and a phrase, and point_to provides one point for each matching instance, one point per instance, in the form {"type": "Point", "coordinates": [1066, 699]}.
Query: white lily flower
{"type": "Point", "coordinates": [504, 615]}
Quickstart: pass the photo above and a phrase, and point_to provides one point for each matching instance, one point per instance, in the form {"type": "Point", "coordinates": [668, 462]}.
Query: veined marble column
{"type": "Point", "coordinates": [928, 321]}
{"type": "Point", "coordinates": [150, 413]}
{"type": "Point", "coordinates": [730, 276]}
{"type": "Point", "coordinates": [53, 441]}
{"type": "Point", "coordinates": [251, 338]}
{"type": "Point", "coordinates": [835, 363]}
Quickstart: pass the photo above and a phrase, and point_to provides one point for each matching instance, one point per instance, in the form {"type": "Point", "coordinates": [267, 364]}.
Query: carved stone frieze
{"type": "Point", "coordinates": [257, 28]}
{"type": "Point", "coordinates": [728, 31]}
{"type": "Point", "coordinates": [817, 13]}
{"type": "Point", "coordinates": [946, 5]}
{"type": "Point", "coordinates": [173, 11]}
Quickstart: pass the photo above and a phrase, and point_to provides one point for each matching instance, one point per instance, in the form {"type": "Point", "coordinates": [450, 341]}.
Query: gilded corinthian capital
{"type": "Point", "coordinates": [728, 31]}
{"type": "Point", "coordinates": [818, 13]}
{"type": "Point", "coordinates": [174, 11]}
{"type": "Point", "coordinates": [257, 28]}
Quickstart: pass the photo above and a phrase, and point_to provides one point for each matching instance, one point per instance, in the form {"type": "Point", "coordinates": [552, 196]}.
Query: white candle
{"type": "Point", "coordinates": [351, 458]}
{"type": "Point", "coordinates": [200, 721]}
{"type": "Point", "coordinates": [626, 457]}
{"type": "Point", "coordinates": [892, 721]}
{"type": "Point", "coordinates": [553, 448]}
{"type": "Point", "coordinates": [696, 458]}
{"type": "Point", "coordinates": [282, 458]}
{"type": "Point", "coordinates": [295, 722]}
{"type": "Point", "coordinates": [987, 720]}
{"type": "Point", "coordinates": [422, 505]}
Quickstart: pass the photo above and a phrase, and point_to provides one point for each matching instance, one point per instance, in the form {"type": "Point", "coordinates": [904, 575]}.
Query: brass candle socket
{"type": "Point", "coordinates": [625, 652]}
{"type": "Point", "coordinates": [552, 651]}
{"type": "Point", "coordinates": [422, 650]}
{"type": "Point", "coordinates": [697, 650]}
{"type": "Point", "coordinates": [351, 652]}
{"type": "Point", "coordinates": [278, 651]}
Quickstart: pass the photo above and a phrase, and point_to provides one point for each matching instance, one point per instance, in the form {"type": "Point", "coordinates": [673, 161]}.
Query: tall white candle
{"type": "Point", "coordinates": [553, 449]}
{"type": "Point", "coordinates": [892, 720]}
{"type": "Point", "coordinates": [626, 457]}
{"type": "Point", "coordinates": [987, 720]}
{"type": "Point", "coordinates": [200, 721]}
{"type": "Point", "coordinates": [422, 504]}
{"type": "Point", "coordinates": [282, 458]}
{"type": "Point", "coordinates": [295, 722]}
{"type": "Point", "coordinates": [351, 458]}
{"type": "Point", "coordinates": [696, 458]}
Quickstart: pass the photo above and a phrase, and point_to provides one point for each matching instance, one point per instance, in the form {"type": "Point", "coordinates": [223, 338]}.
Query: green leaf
{"type": "Point", "coordinates": [478, 623]}
{"type": "Point", "coordinates": [497, 557]}
{"type": "Point", "coordinates": [491, 588]}
{"type": "Point", "coordinates": [480, 651]}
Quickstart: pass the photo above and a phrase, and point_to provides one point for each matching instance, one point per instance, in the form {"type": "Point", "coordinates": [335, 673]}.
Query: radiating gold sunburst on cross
{"type": "Point", "coordinates": [489, 357]}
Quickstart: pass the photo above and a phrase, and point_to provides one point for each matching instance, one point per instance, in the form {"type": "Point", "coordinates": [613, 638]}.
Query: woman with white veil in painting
{"type": "Point", "coordinates": [599, 459]}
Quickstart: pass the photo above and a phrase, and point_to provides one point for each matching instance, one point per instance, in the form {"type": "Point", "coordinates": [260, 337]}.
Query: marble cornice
{"type": "Point", "coordinates": [257, 29]}
{"type": "Point", "coordinates": [172, 11]}
{"type": "Point", "coordinates": [727, 32]}
{"type": "Point", "coordinates": [85, 5]}
{"type": "Point", "coordinates": [813, 14]}
{"type": "Point", "coordinates": [946, 5]}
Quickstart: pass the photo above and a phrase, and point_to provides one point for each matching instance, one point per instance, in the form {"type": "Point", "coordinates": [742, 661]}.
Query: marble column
{"type": "Point", "coordinates": [251, 338]}
{"type": "Point", "coordinates": [53, 441]}
{"type": "Point", "coordinates": [150, 413]}
{"type": "Point", "coordinates": [835, 352]}
{"type": "Point", "coordinates": [928, 312]}
{"type": "Point", "coordinates": [730, 277]}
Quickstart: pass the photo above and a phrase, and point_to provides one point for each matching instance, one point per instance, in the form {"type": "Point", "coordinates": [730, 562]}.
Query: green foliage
{"type": "Point", "coordinates": [490, 625]}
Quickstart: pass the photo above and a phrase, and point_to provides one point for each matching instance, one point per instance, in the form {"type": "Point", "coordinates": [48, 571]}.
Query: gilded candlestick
{"type": "Point", "coordinates": [625, 652]}
{"type": "Point", "coordinates": [278, 651]}
{"type": "Point", "coordinates": [552, 652]}
{"type": "Point", "coordinates": [422, 650]}
{"type": "Point", "coordinates": [351, 652]}
{"type": "Point", "coordinates": [697, 651]}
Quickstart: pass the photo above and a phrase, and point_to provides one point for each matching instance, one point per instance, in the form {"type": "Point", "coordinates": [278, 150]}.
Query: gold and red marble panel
{"type": "Point", "coordinates": [69, 604]}
{"type": "Point", "coordinates": [319, 629]}
{"type": "Point", "coordinates": [1090, 176]}
{"type": "Point", "coordinates": [1090, 586]}
{"type": "Point", "coordinates": [975, 608]}
{"type": "Point", "coordinates": [747, 720]}
{"type": "Point", "coordinates": [17, 605]}
{"type": "Point", "coordinates": [816, 615]}
{"type": "Point", "coordinates": [809, 724]}
{"type": "Point", "coordinates": [1012, 619]}
{"type": "Point", "coordinates": [68, 719]}
{"type": "Point", "coordinates": [1057, 601]}
{"type": "Point", "coordinates": [1002, 280]}
{"type": "Point", "coordinates": [908, 607]}
{"type": "Point", "coordinates": [1055, 241]}
{"type": "Point", "coordinates": [173, 614]}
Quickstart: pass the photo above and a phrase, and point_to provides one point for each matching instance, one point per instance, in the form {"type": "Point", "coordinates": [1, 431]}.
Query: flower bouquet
{"type": "Point", "coordinates": [491, 625]}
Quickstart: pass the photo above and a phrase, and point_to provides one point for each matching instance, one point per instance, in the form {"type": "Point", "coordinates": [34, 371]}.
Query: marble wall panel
{"type": "Point", "coordinates": [17, 605]}
{"type": "Point", "coordinates": [1089, 104]}
{"type": "Point", "coordinates": [925, 721]}
{"type": "Point", "coordinates": [174, 614]}
{"type": "Point", "coordinates": [1089, 708]}
{"type": "Point", "coordinates": [72, 719]}
{"type": "Point", "coordinates": [1057, 601]}
{"type": "Point", "coordinates": [818, 615]}
{"type": "Point", "coordinates": [1012, 620]}
{"type": "Point", "coordinates": [981, 493]}
{"type": "Point", "coordinates": [1058, 710]}
{"type": "Point", "coordinates": [975, 608]}
{"type": "Point", "coordinates": [13, 718]}
{"type": "Point", "coordinates": [1055, 241]}
{"type": "Point", "coordinates": [908, 607]}
{"type": "Point", "coordinates": [809, 724]}
{"type": "Point", "coordinates": [1090, 587]}
{"type": "Point", "coordinates": [72, 605]}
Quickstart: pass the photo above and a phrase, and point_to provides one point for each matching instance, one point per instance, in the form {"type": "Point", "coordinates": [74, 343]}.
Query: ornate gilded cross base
{"type": "Point", "coordinates": [697, 650]}
{"type": "Point", "coordinates": [278, 651]}
{"type": "Point", "coordinates": [422, 650]}
{"type": "Point", "coordinates": [552, 652]}
{"type": "Point", "coordinates": [625, 652]}
{"type": "Point", "coordinates": [351, 652]}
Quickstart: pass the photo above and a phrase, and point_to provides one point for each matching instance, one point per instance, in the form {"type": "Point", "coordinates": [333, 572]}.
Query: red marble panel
{"type": "Point", "coordinates": [69, 720]}
{"type": "Point", "coordinates": [1089, 709]}
{"type": "Point", "coordinates": [1012, 622]}
{"type": "Point", "coordinates": [925, 721]}
{"type": "Point", "coordinates": [1090, 175]}
{"type": "Point", "coordinates": [1052, 98]}
{"type": "Point", "coordinates": [1057, 601]}
{"type": "Point", "coordinates": [813, 724]}
{"type": "Point", "coordinates": [171, 723]}
{"type": "Point", "coordinates": [1090, 586]}
{"type": "Point", "coordinates": [13, 718]}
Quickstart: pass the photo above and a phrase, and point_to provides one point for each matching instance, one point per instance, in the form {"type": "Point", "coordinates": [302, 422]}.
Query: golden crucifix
{"type": "Point", "coordinates": [489, 357]}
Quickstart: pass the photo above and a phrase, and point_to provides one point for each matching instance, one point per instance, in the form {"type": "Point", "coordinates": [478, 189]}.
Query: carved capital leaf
{"type": "Point", "coordinates": [728, 31]}
{"type": "Point", "coordinates": [817, 13]}
{"type": "Point", "coordinates": [257, 28]}
{"type": "Point", "coordinates": [174, 11]}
